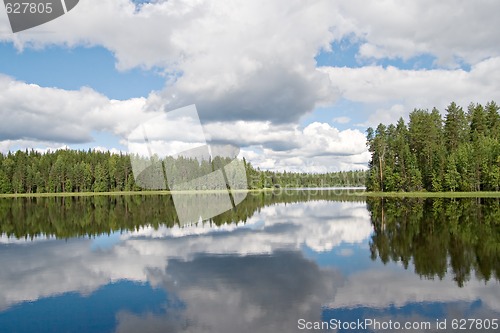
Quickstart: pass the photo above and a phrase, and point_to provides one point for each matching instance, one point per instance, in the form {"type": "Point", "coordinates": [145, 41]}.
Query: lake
{"type": "Point", "coordinates": [295, 262]}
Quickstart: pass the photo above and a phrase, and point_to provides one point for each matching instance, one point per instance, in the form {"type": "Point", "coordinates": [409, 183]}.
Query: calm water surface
{"type": "Point", "coordinates": [278, 263]}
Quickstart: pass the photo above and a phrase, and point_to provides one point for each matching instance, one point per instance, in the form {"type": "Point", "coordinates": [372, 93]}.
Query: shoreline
{"type": "Point", "coordinates": [351, 191]}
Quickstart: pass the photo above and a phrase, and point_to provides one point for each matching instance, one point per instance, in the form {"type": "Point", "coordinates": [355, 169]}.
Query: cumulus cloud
{"type": "Point", "coordinates": [453, 31]}
{"type": "Point", "coordinates": [250, 66]}
{"type": "Point", "coordinates": [390, 93]}
{"type": "Point", "coordinates": [52, 118]}
{"type": "Point", "coordinates": [316, 147]}
{"type": "Point", "coordinates": [244, 60]}
{"type": "Point", "coordinates": [243, 38]}
{"type": "Point", "coordinates": [33, 113]}
{"type": "Point", "coordinates": [40, 146]}
{"type": "Point", "coordinates": [314, 139]}
{"type": "Point", "coordinates": [268, 159]}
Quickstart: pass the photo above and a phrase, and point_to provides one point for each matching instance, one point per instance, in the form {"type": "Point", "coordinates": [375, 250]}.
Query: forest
{"type": "Point", "coordinates": [458, 153]}
{"type": "Point", "coordinates": [66, 171]}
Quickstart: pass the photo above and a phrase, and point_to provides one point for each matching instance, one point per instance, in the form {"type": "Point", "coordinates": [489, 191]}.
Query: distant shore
{"type": "Point", "coordinates": [434, 194]}
{"type": "Point", "coordinates": [343, 191]}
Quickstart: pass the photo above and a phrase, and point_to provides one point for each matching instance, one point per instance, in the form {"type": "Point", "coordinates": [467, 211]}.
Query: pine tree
{"type": "Point", "coordinates": [101, 175]}
{"type": "Point", "coordinates": [455, 127]}
{"type": "Point", "coordinates": [478, 121]}
{"type": "Point", "coordinates": [493, 119]}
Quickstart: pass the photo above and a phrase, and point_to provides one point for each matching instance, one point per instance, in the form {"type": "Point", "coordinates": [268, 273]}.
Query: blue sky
{"type": "Point", "coordinates": [344, 53]}
{"type": "Point", "coordinates": [311, 78]}
{"type": "Point", "coordinates": [72, 68]}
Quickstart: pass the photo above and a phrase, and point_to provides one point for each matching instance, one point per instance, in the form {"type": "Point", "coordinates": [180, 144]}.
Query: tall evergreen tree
{"type": "Point", "coordinates": [493, 119]}
{"type": "Point", "coordinates": [478, 121]}
{"type": "Point", "coordinates": [455, 127]}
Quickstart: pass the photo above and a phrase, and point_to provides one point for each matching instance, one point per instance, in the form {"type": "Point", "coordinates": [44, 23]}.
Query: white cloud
{"type": "Point", "coordinates": [238, 60]}
{"type": "Point", "coordinates": [40, 146]}
{"type": "Point", "coordinates": [294, 162]}
{"type": "Point", "coordinates": [322, 139]}
{"type": "Point", "coordinates": [393, 92]}
{"type": "Point", "coordinates": [243, 37]}
{"type": "Point", "coordinates": [249, 67]}
{"type": "Point", "coordinates": [451, 30]}
{"type": "Point", "coordinates": [318, 147]}
{"type": "Point", "coordinates": [52, 116]}
{"type": "Point", "coordinates": [104, 149]}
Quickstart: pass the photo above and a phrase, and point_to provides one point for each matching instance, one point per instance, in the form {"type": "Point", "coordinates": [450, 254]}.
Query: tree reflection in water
{"type": "Point", "coordinates": [461, 236]}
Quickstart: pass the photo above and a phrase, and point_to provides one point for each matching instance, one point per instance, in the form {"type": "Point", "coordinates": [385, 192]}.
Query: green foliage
{"type": "Point", "coordinates": [258, 179]}
{"type": "Point", "coordinates": [94, 171]}
{"type": "Point", "coordinates": [63, 171]}
{"type": "Point", "coordinates": [460, 153]}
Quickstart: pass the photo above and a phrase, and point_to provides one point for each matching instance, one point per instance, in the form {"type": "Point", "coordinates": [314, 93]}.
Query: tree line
{"type": "Point", "coordinates": [458, 153]}
{"type": "Point", "coordinates": [95, 171]}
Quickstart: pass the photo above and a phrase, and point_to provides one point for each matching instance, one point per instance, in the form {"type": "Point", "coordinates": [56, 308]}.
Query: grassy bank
{"type": "Point", "coordinates": [117, 193]}
{"type": "Point", "coordinates": [269, 190]}
{"type": "Point", "coordinates": [433, 194]}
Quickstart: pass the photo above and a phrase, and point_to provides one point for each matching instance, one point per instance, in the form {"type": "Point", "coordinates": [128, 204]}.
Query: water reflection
{"type": "Point", "coordinates": [261, 269]}
{"type": "Point", "coordinates": [226, 294]}
{"type": "Point", "coordinates": [58, 266]}
{"type": "Point", "coordinates": [65, 217]}
{"type": "Point", "coordinates": [439, 236]}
